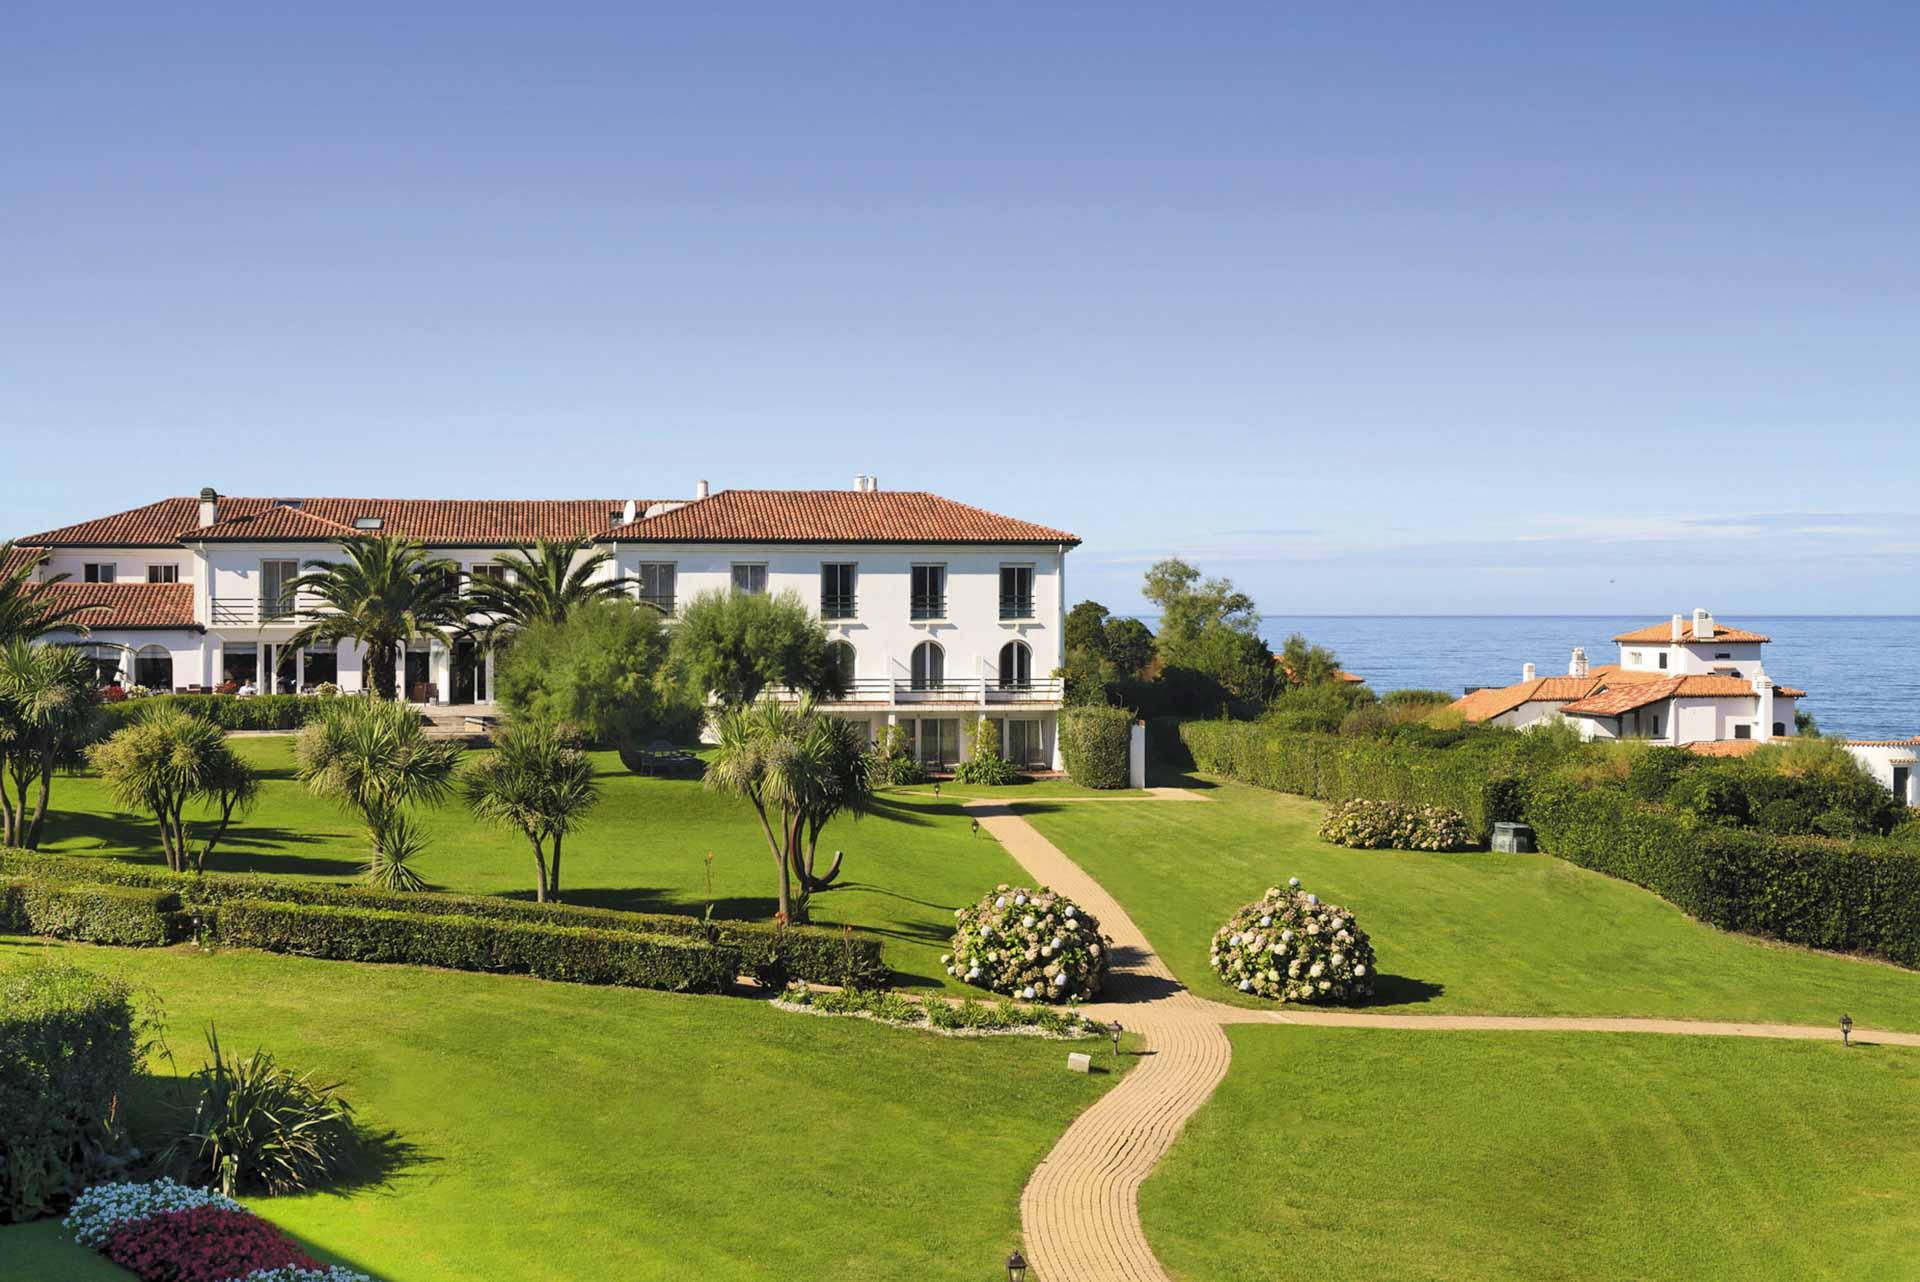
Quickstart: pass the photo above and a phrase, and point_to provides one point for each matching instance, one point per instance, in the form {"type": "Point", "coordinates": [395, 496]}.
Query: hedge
{"type": "Point", "coordinates": [67, 1053]}
{"type": "Point", "coordinates": [229, 712]}
{"type": "Point", "coordinates": [771, 954]}
{"type": "Point", "coordinates": [1093, 743]}
{"type": "Point", "coordinates": [102, 914]}
{"type": "Point", "coordinates": [571, 954]}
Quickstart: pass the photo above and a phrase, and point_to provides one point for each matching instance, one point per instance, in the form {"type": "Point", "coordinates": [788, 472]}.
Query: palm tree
{"type": "Point", "coordinates": [387, 591]}
{"type": "Point", "coordinates": [540, 584]}
{"type": "Point", "coordinates": [167, 759]}
{"type": "Point", "coordinates": [25, 612]}
{"type": "Point", "coordinates": [538, 781]}
{"type": "Point", "coordinates": [49, 702]}
{"type": "Point", "coordinates": [376, 760]}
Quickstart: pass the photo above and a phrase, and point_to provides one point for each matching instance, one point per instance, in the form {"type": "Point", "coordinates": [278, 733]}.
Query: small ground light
{"type": "Point", "coordinates": [1016, 1267]}
{"type": "Point", "coordinates": [936, 787]}
{"type": "Point", "coordinates": [976, 828]}
{"type": "Point", "coordinates": [1115, 1032]}
{"type": "Point", "coordinates": [1846, 1030]}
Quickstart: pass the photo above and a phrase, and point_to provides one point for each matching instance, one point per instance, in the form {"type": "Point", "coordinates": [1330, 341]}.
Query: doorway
{"type": "Point", "coordinates": [419, 685]}
{"type": "Point", "coordinates": [1900, 777]}
{"type": "Point", "coordinates": [467, 678]}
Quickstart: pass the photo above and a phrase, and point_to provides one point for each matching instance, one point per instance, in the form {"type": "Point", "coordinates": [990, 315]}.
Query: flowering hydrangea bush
{"type": "Point", "coordinates": [1377, 825]}
{"type": "Point", "coordinates": [205, 1244]}
{"type": "Point", "coordinates": [1290, 947]}
{"type": "Point", "coordinates": [103, 1208]}
{"type": "Point", "coordinates": [1030, 944]}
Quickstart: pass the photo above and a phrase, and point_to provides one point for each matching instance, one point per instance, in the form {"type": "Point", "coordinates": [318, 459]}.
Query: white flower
{"type": "Point", "coordinates": [1027, 992]}
{"type": "Point", "coordinates": [1060, 980]}
{"type": "Point", "coordinates": [1094, 949]}
{"type": "Point", "coordinates": [1266, 921]}
{"type": "Point", "coordinates": [1058, 942]}
{"type": "Point", "coordinates": [1000, 902]}
{"type": "Point", "coordinates": [1018, 900]}
{"type": "Point", "coordinates": [1070, 910]}
{"type": "Point", "coordinates": [1046, 950]}
{"type": "Point", "coordinates": [1286, 937]}
{"type": "Point", "coordinates": [1245, 985]}
{"type": "Point", "coordinates": [1314, 900]}
{"type": "Point", "coordinates": [1337, 958]}
{"type": "Point", "coordinates": [1294, 882]}
{"type": "Point", "coordinates": [946, 957]}
{"type": "Point", "coordinates": [1317, 970]}
{"type": "Point", "coordinates": [1359, 971]}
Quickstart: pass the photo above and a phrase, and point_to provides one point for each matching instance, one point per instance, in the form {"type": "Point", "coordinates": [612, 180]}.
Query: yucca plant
{"type": "Point", "coordinates": [259, 1127]}
{"type": "Point", "coordinates": [376, 760]}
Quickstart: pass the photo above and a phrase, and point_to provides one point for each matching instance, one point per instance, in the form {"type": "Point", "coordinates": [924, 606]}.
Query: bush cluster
{"type": "Point", "coordinates": [67, 1052]}
{"type": "Point", "coordinates": [1390, 825]}
{"type": "Point", "coordinates": [1030, 944]}
{"type": "Point", "coordinates": [1287, 946]}
{"type": "Point", "coordinates": [229, 712]}
{"type": "Point", "coordinates": [1093, 744]}
{"type": "Point", "coordinates": [967, 1017]}
{"type": "Point", "coordinates": [134, 916]}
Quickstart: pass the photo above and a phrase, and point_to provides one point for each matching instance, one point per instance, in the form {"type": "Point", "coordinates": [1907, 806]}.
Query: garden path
{"type": "Point", "coordinates": [1080, 1210]}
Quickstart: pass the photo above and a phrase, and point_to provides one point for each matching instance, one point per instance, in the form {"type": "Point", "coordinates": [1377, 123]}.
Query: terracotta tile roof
{"type": "Point", "coordinates": [1884, 743]}
{"type": "Point", "coordinates": [834, 516]}
{"type": "Point", "coordinates": [1492, 701]}
{"type": "Point", "coordinates": [1616, 699]}
{"type": "Point", "coordinates": [1724, 747]}
{"type": "Point", "coordinates": [127, 605]}
{"type": "Point", "coordinates": [1662, 634]}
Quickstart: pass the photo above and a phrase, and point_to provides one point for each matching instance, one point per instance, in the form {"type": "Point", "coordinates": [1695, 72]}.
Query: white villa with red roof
{"type": "Point", "coordinates": [1684, 681]}
{"type": "Point", "coordinates": [941, 612]}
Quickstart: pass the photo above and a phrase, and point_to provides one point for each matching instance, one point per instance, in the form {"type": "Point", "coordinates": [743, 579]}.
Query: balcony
{"type": "Point", "coordinates": [256, 612]}
{"type": "Point", "coordinates": [929, 606]}
{"type": "Point", "coordinates": [838, 606]}
{"type": "Point", "coordinates": [1017, 607]}
{"type": "Point", "coordinates": [662, 602]}
{"type": "Point", "coordinates": [956, 691]}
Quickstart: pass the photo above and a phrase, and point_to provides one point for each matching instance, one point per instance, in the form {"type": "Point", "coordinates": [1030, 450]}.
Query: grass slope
{"type": "Point", "coordinates": [1481, 933]}
{"type": "Point", "coordinates": [1539, 1156]}
{"type": "Point", "coordinates": [908, 865]}
{"type": "Point", "coordinates": [569, 1132]}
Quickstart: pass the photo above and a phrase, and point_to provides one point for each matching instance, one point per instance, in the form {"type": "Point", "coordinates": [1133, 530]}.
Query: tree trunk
{"type": "Point", "coordinates": [32, 841]}
{"type": "Point", "coordinates": [540, 870]}
{"type": "Point", "coordinates": [9, 818]}
{"type": "Point", "coordinates": [385, 681]}
{"type": "Point", "coordinates": [553, 875]}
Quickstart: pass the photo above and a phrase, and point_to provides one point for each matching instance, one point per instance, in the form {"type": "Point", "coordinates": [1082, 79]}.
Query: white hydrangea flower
{"type": "Point", "coordinates": [1000, 902]}
{"type": "Point", "coordinates": [1294, 882]}
{"type": "Point", "coordinates": [1359, 970]}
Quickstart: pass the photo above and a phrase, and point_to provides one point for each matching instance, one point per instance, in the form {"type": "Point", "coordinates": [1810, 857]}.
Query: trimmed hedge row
{"type": "Point", "coordinates": [769, 953]}
{"type": "Point", "coordinates": [229, 712]}
{"type": "Point", "coordinates": [1093, 744]}
{"type": "Point", "coordinates": [136, 916]}
{"type": "Point", "coordinates": [571, 954]}
{"type": "Point", "coordinates": [67, 1054]}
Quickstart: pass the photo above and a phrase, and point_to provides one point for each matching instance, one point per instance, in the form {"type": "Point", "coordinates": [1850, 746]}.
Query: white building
{"type": "Point", "coordinates": [1680, 682]}
{"type": "Point", "coordinates": [942, 612]}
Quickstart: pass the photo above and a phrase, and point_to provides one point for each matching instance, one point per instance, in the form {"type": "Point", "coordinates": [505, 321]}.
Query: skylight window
{"type": "Point", "coordinates": [368, 522]}
{"type": "Point", "coordinates": [292, 503]}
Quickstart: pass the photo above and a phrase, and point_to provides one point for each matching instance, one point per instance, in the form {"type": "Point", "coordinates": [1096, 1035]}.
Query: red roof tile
{"type": "Point", "coordinates": [1662, 634]}
{"type": "Point", "coordinates": [834, 516]}
{"type": "Point", "coordinates": [1616, 699]}
{"type": "Point", "coordinates": [1724, 747]}
{"type": "Point", "coordinates": [1491, 701]}
{"type": "Point", "coordinates": [127, 605]}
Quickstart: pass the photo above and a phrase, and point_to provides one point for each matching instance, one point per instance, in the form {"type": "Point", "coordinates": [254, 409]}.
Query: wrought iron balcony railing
{"type": "Point", "coordinates": [1017, 607]}
{"type": "Point", "coordinates": [838, 605]}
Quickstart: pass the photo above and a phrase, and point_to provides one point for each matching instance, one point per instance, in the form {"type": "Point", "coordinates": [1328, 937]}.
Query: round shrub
{"type": "Point", "coordinates": [1290, 947]}
{"type": "Point", "coordinates": [1377, 825]}
{"type": "Point", "coordinates": [1030, 944]}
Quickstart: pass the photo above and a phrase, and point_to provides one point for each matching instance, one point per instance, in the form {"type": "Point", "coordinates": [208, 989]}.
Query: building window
{"type": "Point", "coordinates": [1779, 729]}
{"type": "Point", "coordinates": [319, 664]}
{"type": "Point", "coordinates": [1724, 654]}
{"type": "Point", "coordinates": [163, 574]}
{"type": "Point", "coordinates": [929, 666]}
{"type": "Point", "coordinates": [1655, 727]}
{"type": "Point", "coordinates": [106, 663]}
{"type": "Point", "coordinates": [938, 740]}
{"type": "Point", "coordinates": [276, 598]}
{"type": "Point", "coordinates": [836, 590]}
{"type": "Point", "coordinates": [153, 668]}
{"type": "Point", "coordinates": [750, 577]}
{"type": "Point", "coordinates": [489, 570]}
{"type": "Point", "coordinates": [1026, 745]}
{"type": "Point", "coordinates": [655, 579]}
{"type": "Point", "coordinates": [840, 655]}
{"type": "Point", "coordinates": [929, 591]}
{"type": "Point", "coordinates": [368, 522]}
{"type": "Point", "coordinates": [99, 572]}
{"type": "Point", "coordinates": [1635, 658]}
{"type": "Point", "coordinates": [1743, 732]}
{"type": "Point", "coordinates": [1663, 658]}
{"type": "Point", "coordinates": [1016, 592]}
{"type": "Point", "coordinates": [1016, 666]}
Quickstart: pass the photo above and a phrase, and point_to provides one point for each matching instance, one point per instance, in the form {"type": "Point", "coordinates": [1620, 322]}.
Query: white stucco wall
{"type": "Point", "coordinates": [1879, 760]}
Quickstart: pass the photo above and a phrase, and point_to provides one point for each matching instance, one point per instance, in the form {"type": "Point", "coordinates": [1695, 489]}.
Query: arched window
{"type": "Point", "coordinates": [106, 662]}
{"type": "Point", "coordinates": [840, 655]}
{"type": "Point", "coordinates": [1016, 666]}
{"type": "Point", "coordinates": [153, 668]}
{"type": "Point", "coordinates": [929, 666]}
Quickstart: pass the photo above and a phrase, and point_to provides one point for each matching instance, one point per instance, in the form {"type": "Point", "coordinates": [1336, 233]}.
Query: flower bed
{"type": "Point", "coordinates": [168, 1232]}
{"type": "Point", "coordinates": [1030, 944]}
{"type": "Point", "coordinates": [1290, 947]}
{"type": "Point", "coordinates": [959, 1019]}
{"type": "Point", "coordinates": [1389, 825]}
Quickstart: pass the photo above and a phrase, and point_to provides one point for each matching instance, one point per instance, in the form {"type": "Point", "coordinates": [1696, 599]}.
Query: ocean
{"type": "Point", "coordinates": [1854, 668]}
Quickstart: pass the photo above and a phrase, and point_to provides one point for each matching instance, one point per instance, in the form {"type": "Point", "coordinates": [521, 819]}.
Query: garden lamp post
{"type": "Point", "coordinates": [975, 830]}
{"type": "Point", "coordinates": [936, 790]}
{"type": "Point", "coordinates": [1115, 1032]}
{"type": "Point", "coordinates": [1846, 1030]}
{"type": "Point", "coordinates": [1016, 1267]}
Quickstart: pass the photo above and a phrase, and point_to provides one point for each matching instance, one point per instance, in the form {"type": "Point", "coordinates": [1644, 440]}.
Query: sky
{"type": "Point", "coordinates": [1374, 308]}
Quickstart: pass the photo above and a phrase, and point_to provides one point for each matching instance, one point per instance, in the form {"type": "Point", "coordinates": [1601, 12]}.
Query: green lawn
{"type": "Point", "coordinates": [908, 865]}
{"type": "Point", "coordinates": [1544, 1157]}
{"type": "Point", "coordinates": [563, 1131]}
{"type": "Point", "coordinates": [1482, 933]}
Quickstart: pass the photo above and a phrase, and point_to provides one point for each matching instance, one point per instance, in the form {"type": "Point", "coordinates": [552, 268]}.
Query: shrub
{"type": "Point", "coordinates": [67, 1053]}
{"type": "Point", "coordinates": [891, 763]}
{"type": "Point", "coordinates": [1653, 775]}
{"type": "Point", "coordinates": [1093, 743]}
{"type": "Point", "coordinates": [102, 914]}
{"type": "Point", "coordinates": [1289, 947]}
{"type": "Point", "coordinates": [259, 712]}
{"type": "Point", "coordinates": [259, 1127]}
{"type": "Point", "coordinates": [598, 669]}
{"type": "Point", "coordinates": [984, 765]}
{"type": "Point", "coordinates": [1714, 797]}
{"type": "Point", "coordinates": [969, 1016]}
{"type": "Point", "coordinates": [204, 1244]}
{"type": "Point", "coordinates": [1376, 825]}
{"type": "Point", "coordinates": [572, 954]}
{"type": "Point", "coordinates": [1031, 944]}
{"type": "Point", "coordinates": [103, 1208]}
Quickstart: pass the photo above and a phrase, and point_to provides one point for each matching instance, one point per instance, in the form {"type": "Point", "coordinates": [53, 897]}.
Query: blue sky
{"type": "Point", "coordinates": [1378, 308]}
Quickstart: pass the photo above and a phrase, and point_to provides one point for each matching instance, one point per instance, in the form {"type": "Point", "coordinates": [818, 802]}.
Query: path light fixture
{"type": "Point", "coordinates": [1115, 1032]}
{"type": "Point", "coordinates": [1846, 1030]}
{"type": "Point", "coordinates": [936, 790]}
{"type": "Point", "coordinates": [1016, 1267]}
{"type": "Point", "coordinates": [976, 827]}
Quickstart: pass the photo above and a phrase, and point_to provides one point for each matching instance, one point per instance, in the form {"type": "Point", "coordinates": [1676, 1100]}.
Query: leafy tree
{"type": "Point", "coordinates": [26, 613]}
{"type": "Point", "coordinates": [376, 760]}
{"type": "Point", "coordinates": [1208, 626]}
{"type": "Point", "coordinates": [1086, 628]}
{"type": "Point", "coordinates": [537, 781]}
{"type": "Point", "coordinates": [1129, 646]}
{"type": "Point", "coordinates": [543, 584]}
{"type": "Point", "coordinates": [733, 645]}
{"type": "Point", "coordinates": [166, 760]}
{"type": "Point", "coordinates": [799, 768]}
{"type": "Point", "coordinates": [386, 591]}
{"type": "Point", "coordinates": [49, 708]}
{"type": "Point", "coordinates": [600, 671]}
{"type": "Point", "coordinates": [1304, 664]}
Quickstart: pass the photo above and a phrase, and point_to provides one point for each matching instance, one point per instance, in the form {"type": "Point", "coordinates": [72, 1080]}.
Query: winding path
{"type": "Point", "coordinates": [1080, 1210]}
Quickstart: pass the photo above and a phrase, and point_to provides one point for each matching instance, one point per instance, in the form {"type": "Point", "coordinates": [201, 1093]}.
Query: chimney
{"type": "Point", "coordinates": [873, 483]}
{"type": "Point", "coordinates": [1702, 626]}
{"type": "Point", "coordinates": [627, 513]}
{"type": "Point", "coordinates": [700, 489]}
{"type": "Point", "coordinates": [1527, 672]}
{"type": "Point", "coordinates": [1577, 665]}
{"type": "Point", "coordinates": [209, 507]}
{"type": "Point", "coordinates": [1679, 627]}
{"type": "Point", "coordinates": [1763, 686]}
{"type": "Point", "coordinates": [859, 482]}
